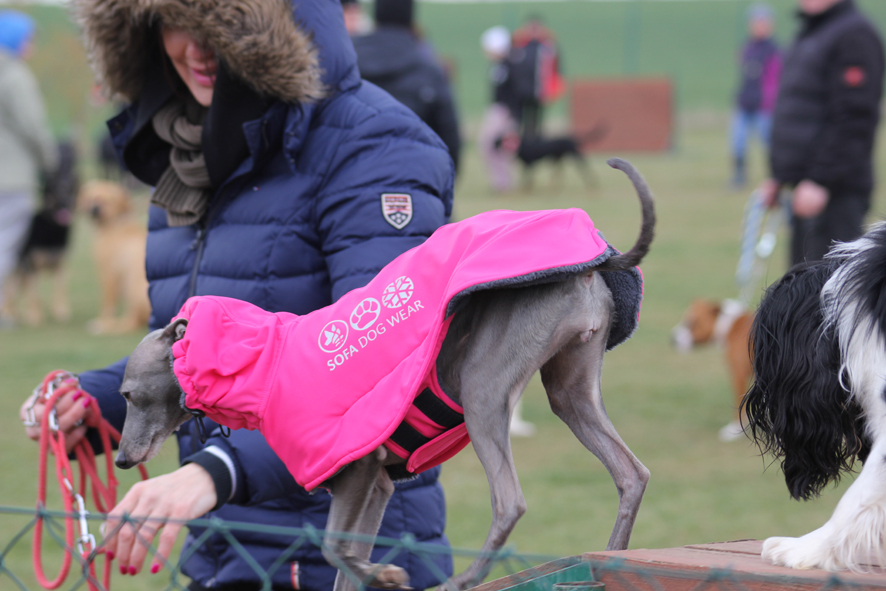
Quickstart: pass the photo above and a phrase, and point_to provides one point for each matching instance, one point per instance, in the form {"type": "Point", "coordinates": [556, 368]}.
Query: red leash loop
{"type": "Point", "coordinates": [55, 385]}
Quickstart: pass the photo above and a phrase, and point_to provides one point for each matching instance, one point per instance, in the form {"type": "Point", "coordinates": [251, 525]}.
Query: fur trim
{"type": "Point", "coordinates": [257, 39]}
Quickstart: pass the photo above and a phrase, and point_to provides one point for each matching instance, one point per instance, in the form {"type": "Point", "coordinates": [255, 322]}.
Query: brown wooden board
{"type": "Point", "coordinates": [636, 114]}
{"type": "Point", "coordinates": [726, 566]}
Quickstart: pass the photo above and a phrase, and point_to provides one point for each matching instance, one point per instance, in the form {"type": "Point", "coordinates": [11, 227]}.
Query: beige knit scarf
{"type": "Point", "coordinates": [184, 189]}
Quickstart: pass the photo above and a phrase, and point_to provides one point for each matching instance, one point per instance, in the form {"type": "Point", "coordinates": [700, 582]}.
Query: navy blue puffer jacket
{"type": "Point", "coordinates": [297, 220]}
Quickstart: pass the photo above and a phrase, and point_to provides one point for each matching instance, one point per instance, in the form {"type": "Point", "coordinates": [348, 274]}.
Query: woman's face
{"type": "Point", "coordinates": [196, 65]}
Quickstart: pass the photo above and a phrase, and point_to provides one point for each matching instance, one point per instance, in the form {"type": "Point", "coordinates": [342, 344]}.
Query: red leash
{"type": "Point", "coordinates": [54, 386]}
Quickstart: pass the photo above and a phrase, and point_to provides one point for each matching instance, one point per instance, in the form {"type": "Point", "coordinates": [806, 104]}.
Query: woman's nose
{"type": "Point", "coordinates": [195, 51]}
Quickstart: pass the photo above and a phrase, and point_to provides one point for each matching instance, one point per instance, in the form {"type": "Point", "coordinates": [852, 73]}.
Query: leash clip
{"type": "Point", "coordinates": [85, 537]}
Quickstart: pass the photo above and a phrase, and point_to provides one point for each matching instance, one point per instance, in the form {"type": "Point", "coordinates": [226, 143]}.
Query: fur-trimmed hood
{"type": "Point", "coordinates": [261, 41]}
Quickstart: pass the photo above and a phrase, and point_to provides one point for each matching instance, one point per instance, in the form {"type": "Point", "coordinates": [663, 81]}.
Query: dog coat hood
{"type": "Point", "coordinates": [328, 387]}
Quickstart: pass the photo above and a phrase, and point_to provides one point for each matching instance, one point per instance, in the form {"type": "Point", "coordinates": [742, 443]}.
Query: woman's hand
{"type": "Point", "coordinates": [165, 502]}
{"type": "Point", "coordinates": [73, 410]}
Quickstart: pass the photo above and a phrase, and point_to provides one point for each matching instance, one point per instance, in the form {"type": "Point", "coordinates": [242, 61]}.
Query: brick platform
{"type": "Point", "coordinates": [730, 566]}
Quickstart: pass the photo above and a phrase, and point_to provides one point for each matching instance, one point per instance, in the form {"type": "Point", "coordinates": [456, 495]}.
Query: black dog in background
{"type": "Point", "coordinates": [530, 150]}
{"type": "Point", "coordinates": [47, 243]}
{"type": "Point", "coordinates": [817, 403]}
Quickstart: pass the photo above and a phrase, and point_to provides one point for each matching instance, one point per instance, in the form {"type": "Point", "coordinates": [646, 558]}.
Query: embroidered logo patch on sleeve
{"type": "Point", "coordinates": [397, 209]}
{"type": "Point", "coordinates": [854, 76]}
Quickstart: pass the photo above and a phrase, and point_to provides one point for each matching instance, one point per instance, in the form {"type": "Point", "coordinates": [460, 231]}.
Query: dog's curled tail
{"type": "Point", "coordinates": [632, 258]}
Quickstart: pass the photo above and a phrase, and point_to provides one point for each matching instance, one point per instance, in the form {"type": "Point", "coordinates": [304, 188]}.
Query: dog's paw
{"type": "Point", "coordinates": [389, 576]}
{"type": "Point", "coordinates": [809, 551]}
{"type": "Point", "coordinates": [449, 585]}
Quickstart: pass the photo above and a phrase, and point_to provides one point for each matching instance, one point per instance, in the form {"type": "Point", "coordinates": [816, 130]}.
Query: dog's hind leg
{"type": "Point", "coordinates": [572, 381]}
{"type": "Point", "coordinates": [487, 417]}
{"type": "Point", "coordinates": [360, 493]}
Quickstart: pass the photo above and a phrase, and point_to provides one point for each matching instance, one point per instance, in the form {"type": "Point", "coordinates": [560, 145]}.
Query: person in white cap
{"type": "Point", "coordinates": [499, 120]}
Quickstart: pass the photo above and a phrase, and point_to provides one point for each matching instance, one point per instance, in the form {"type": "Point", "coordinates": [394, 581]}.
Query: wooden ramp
{"type": "Point", "coordinates": [727, 566]}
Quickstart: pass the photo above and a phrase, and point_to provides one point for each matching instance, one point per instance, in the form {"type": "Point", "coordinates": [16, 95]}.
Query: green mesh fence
{"type": "Point", "coordinates": [16, 572]}
{"type": "Point", "coordinates": [520, 570]}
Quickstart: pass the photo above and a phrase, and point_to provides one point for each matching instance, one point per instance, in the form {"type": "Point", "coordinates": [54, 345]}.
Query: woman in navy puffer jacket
{"type": "Point", "coordinates": [315, 182]}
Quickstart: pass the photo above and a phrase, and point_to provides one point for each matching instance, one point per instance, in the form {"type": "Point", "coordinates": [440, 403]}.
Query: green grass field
{"type": "Point", "coordinates": [667, 407]}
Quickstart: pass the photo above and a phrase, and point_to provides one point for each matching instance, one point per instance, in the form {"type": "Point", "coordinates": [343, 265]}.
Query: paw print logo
{"type": "Point", "coordinates": [397, 293]}
{"type": "Point", "coordinates": [333, 336]}
{"type": "Point", "coordinates": [365, 314]}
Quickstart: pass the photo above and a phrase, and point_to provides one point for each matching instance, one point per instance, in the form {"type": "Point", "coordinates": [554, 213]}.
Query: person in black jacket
{"type": "Point", "coordinates": [395, 59]}
{"type": "Point", "coordinates": [825, 123]}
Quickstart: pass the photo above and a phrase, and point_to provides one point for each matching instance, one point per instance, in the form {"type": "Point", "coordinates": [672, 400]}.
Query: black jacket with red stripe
{"type": "Point", "coordinates": [828, 104]}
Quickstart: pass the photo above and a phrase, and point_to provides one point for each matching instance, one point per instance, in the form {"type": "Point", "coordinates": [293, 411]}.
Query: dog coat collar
{"type": "Point", "coordinates": [329, 387]}
{"type": "Point", "coordinates": [730, 311]}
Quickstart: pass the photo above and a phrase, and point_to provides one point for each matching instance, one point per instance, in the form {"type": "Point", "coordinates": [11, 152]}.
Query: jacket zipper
{"type": "Point", "coordinates": [197, 245]}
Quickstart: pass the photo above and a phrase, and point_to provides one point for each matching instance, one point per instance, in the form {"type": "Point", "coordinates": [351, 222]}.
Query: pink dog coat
{"type": "Point", "coordinates": [329, 387]}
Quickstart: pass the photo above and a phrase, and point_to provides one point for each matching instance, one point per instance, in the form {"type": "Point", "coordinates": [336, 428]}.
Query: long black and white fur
{"type": "Point", "coordinates": [819, 398]}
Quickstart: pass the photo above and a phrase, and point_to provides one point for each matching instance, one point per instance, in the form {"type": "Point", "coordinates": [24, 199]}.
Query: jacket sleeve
{"type": "Point", "coordinates": [855, 84]}
{"type": "Point", "coordinates": [444, 120]}
{"type": "Point", "coordinates": [390, 153]}
{"type": "Point", "coordinates": [104, 386]}
{"type": "Point", "coordinates": [23, 111]}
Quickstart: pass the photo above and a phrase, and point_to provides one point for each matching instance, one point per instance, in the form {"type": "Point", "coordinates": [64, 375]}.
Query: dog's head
{"type": "Point", "coordinates": [153, 397]}
{"type": "Point", "coordinates": [796, 408]}
{"type": "Point", "coordinates": [697, 325]}
{"type": "Point", "coordinates": [104, 201]}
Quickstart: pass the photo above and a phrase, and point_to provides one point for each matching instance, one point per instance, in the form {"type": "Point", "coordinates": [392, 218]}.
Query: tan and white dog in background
{"type": "Point", "coordinates": [728, 324]}
{"type": "Point", "coordinates": [119, 242]}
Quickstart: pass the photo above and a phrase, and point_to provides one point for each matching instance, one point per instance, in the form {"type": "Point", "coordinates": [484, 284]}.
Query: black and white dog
{"type": "Point", "coordinates": [818, 402]}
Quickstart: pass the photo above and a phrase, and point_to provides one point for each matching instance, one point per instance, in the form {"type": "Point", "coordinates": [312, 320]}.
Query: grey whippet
{"type": "Point", "coordinates": [493, 346]}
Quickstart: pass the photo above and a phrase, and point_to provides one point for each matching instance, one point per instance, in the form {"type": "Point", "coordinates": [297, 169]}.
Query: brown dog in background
{"type": "Point", "coordinates": [119, 250]}
{"type": "Point", "coordinates": [727, 323]}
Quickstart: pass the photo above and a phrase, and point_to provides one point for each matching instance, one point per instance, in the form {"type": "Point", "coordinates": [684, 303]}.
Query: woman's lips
{"type": "Point", "coordinates": [204, 77]}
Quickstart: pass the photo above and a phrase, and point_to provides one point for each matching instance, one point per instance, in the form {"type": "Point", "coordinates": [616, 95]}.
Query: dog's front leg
{"type": "Point", "coordinates": [61, 305]}
{"type": "Point", "coordinates": [572, 381]}
{"type": "Point", "coordinates": [110, 290]}
{"type": "Point", "coordinates": [360, 493]}
{"type": "Point", "coordinates": [853, 537]}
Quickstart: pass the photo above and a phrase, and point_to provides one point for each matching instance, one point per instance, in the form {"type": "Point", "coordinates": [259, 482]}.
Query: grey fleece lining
{"type": "Point", "coordinates": [181, 399]}
{"type": "Point", "coordinates": [626, 288]}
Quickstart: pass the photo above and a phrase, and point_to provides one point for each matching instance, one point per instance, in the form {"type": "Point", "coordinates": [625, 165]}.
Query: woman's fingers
{"type": "Point", "coordinates": [164, 502]}
{"type": "Point", "coordinates": [72, 411]}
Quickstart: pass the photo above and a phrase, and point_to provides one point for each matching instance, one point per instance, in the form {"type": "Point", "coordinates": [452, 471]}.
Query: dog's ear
{"type": "Point", "coordinates": [796, 407]}
{"type": "Point", "coordinates": [175, 330]}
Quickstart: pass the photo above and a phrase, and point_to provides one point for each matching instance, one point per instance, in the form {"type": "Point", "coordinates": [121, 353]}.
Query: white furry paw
{"type": "Point", "coordinates": [809, 551]}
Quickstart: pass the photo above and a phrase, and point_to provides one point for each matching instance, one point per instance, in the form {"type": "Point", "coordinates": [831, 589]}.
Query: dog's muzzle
{"type": "Point", "coordinates": [681, 338]}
